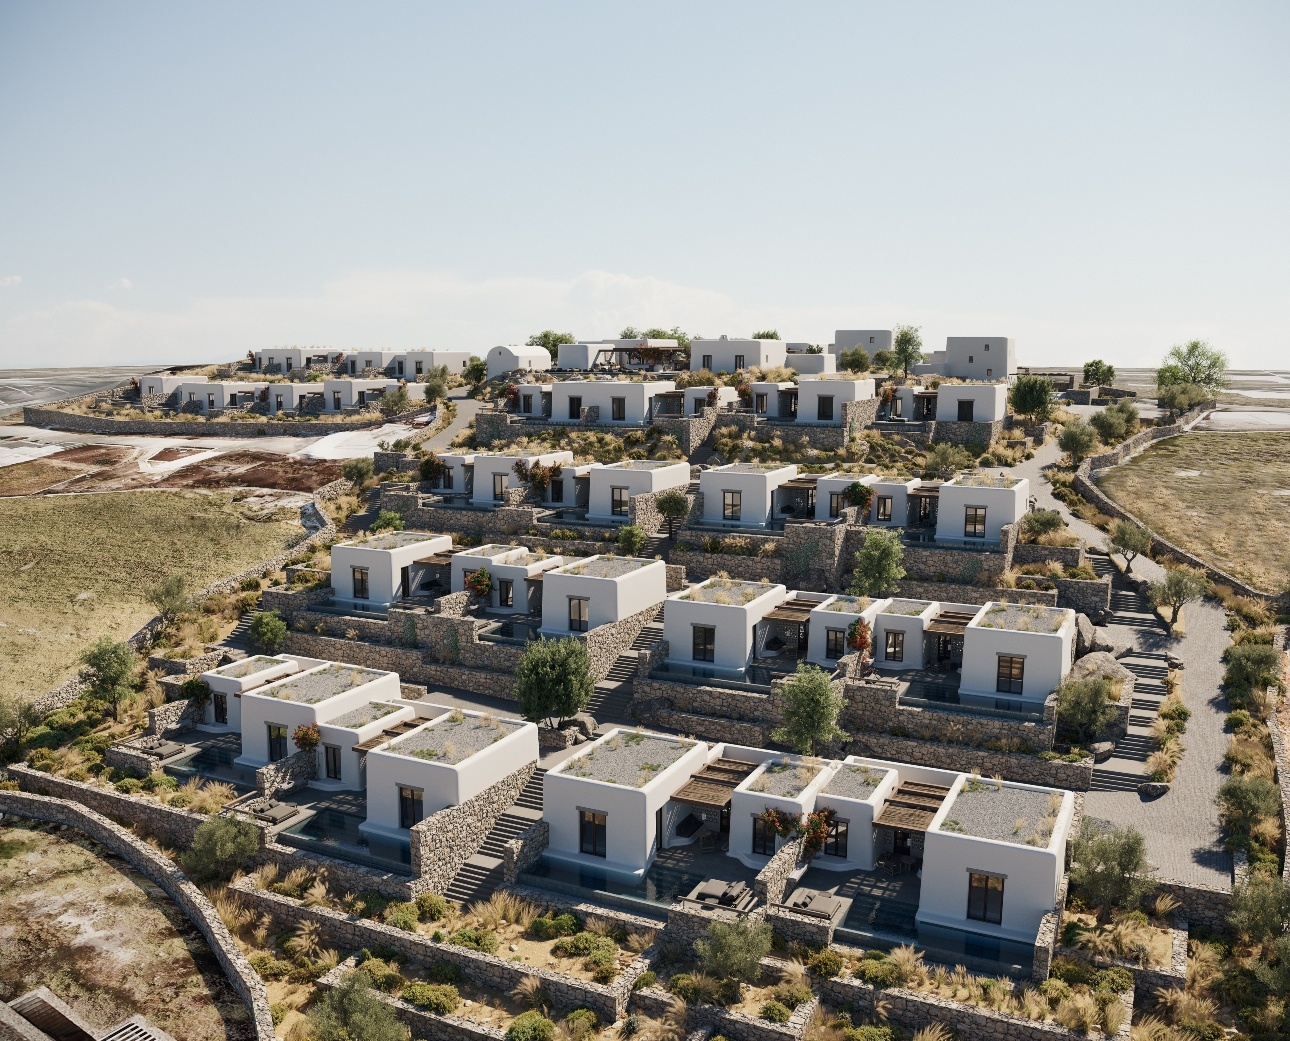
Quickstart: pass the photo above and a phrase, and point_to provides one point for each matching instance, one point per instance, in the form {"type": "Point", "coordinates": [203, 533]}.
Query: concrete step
{"type": "Point", "coordinates": [476, 880]}
{"type": "Point", "coordinates": [530, 796]}
{"type": "Point", "coordinates": [1116, 781]}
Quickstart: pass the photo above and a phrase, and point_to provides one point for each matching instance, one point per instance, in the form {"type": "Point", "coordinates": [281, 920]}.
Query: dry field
{"type": "Point", "coordinates": [78, 566]}
{"type": "Point", "coordinates": [107, 941]}
{"type": "Point", "coordinates": [1223, 496]}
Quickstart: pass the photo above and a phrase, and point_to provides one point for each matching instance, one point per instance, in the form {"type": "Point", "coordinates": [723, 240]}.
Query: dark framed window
{"type": "Point", "coordinates": [835, 643]}
{"type": "Point", "coordinates": [731, 505]}
{"type": "Point", "coordinates": [824, 407]}
{"type": "Point", "coordinates": [592, 829]}
{"type": "Point", "coordinates": [526, 403]}
{"type": "Point", "coordinates": [360, 583]}
{"type": "Point", "coordinates": [362, 397]}
{"type": "Point", "coordinates": [739, 362]}
{"type": "Point", "coordinates": [835, 843]}
{"type": "Point", "coordinates": [411, 806]}
{"type": "Point", "coordinates": [704, 643]}
{"type": "Point", "coordinates": [707, 362]}
{"type": "Point", "coordinates": [759, 403]}
{"type": "Point", "coordinates": [210, 400]}
{"type": "Point", "coordinates": [837, 503]}
{"type": "Point", "coordinates": [883, 508]}
{"type": "Point", "coordinates": [579, 607]}
{"type": "Point", "coordinates": [965, 410]}
{"type": "Point", "coordinates": [618, 502]}
{"type": "Point", "coordinates": [575, 407]}
{"type": "Point", "coordinates": [399, 367]}
{"type": "Point", "coordinates": [277, 742]}
{"type": "Point", "coordinates": [505, 593]}
{"type": "Point", "coordinates": [763, 839]}
{"type": "Point", "coordinates": [335, 401]}
{"type": "Point", "coordinates": [331, 758]}
{"type": "Point", "coordinates": [557, 489]}
{"type": "Point", "coordinates": [499, 487]}
{"type": "Point", "coordinates": [277, 402]}
{"type": "Point", "coordinates": [618, 408]}
{"type": "Point", "coordinates": [1011, 676]}
{"type": "Point", "coordinates": [419, 364]}
{"type": "Point", "coordinates": [220, 702]}
{"type": "Point", "coordinates": [895, 648]}
{"type": "Point", "coordinates": [985, 897]}
{"type": "Point", "coordinates": [974, 522]}
{"type": "Point", "coordinates": [447, 476]}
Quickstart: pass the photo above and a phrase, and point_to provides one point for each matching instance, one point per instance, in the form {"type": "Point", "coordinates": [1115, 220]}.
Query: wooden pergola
{"type": "Point", "coordinates": [388, 734]}
{"type": "Point", "coordinates": [912, 806]}
{"type": "Point", "coordinates": [715, 783]}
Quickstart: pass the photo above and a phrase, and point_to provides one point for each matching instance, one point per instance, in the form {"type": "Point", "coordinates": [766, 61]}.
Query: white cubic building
{"type": "Point", "coordinates": [831, 492]}
{"type": "Point", "coordinates": [742, 494]}
{"type": "Point", "coordinates": [151, 386]}
{"type": "Point", "coordinates": [869, 340]}
{"type": "Point", "coordinates": [726, 355]}
{"type": "Point", "coordinates": [493, 473]}
{"type": "Point", "coordinates": [774, 400]}
{"type": "Point", "coordinates": [214, 395]}
{"type": "Point", "coordinates": [830, 622]}
{"type": "Point", "coordinates": [973, 358]}
{"type": "Point", "coordinates": [371, 364]}
{"type": "Point", "coordinates": [409, 365]}
{"type": "Point", "coordinates": [975, 507]}
{"type": "Point", "coordinates": [289, 359]}
{"type": "Point", "coordinates": [516, 572]}
{"type": "Point", "coordinates": [615, 401]}
{"type": "Point", "coordinates": [715, 622]}
{"type": "Point", "coordinates": [788, 784]}
{"type": "Point", "coordinates": [951, 403]}
{"type": "Point", "coordinates": [1015, 655]}
{"type": "Point", "coordinates": [291, 397]}
{"type": "Point", "coordinates": [223, 709]}
{"type": "Point", "coordinates": [373, 572]}
{"type": "Point", "coordinates": [443, 761]}
{"type": "Point", "coordinates": [502, 360]}
{"type": "Point", "coordinates": [612, 485]}
{"type": "Point", "coordinates": [699, 398]}
{"type": "Point", "coordinates": [340, 394]}
{"type": "Point", "coordinates": [581, 595]}
{"type": "Point", "coordinates": [821, 401]}
{"type": "Point", "coordinates": [809, 364]}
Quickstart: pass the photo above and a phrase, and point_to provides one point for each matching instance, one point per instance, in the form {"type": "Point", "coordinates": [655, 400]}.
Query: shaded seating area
{"type": "Point", "coordinates": [711, 789]}
{"type": "Point", "coordinates": [814, 903]}
{"type": "Point", "coordinates": [910, 808]}
{"type": "Point", "coordinates": [736, 896]}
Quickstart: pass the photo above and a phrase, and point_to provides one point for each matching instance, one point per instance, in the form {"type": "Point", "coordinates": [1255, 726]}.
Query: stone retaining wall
{"type": "Point", "coordinates": [772, 880]}
{"type": "Point", "coordinates": [688, 921]}
{"type": "Point", "coordinates": [523, 851]}
{"type": "Point", "coordinates": [1033, 553]}
{"type": "Point", "coordinates": [126, 756]}
{"type": "Point", "coordinates": [1092, 598]}
{"type": "Point", "coordinates": [1012, 766]}
{"type": "Point", "coordinates": [286, 775]}
{"type": "Point", "coordinates": [960, 594]}
{"type": "Point", "coordinates": [156, 867]}
{"type": "Point", "coordinates": [914, 1011]}
{"type": "Point", "coordinates": [813, 554]}
{"type": "Point", "coordinates": [801, 928]}
{"type": "Point", "coordinates": [956, 433]}
{"type": "Point", "coordinates": [172, 716]}
{"type": "Point", "coordinates": [445, 840]}
{"type": "Point", "coordinates": [1198, 904]}
{"type": "Point", "coordinates": [57, 420]}
{"type": "Point", "coordinates": [699, 565]}
{"type": "Point", "coordinates": [1146, 981]}
{"type": "Point", "coordinates": [737, 1026]}
{"type": "Point", "coordinates": [186, 666]}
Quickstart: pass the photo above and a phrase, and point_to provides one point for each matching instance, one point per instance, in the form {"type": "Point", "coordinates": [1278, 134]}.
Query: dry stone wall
{"type": "Point", "coordinates": [1013, 766]}
{"type": "Point", "coordinates": [523, 851]}
{"type": "Point", "coordinates": [1033, 553]}
{"type": "Point", "coordinates": [772, 880]}
{"type": "Point", "coordinates": [157, 868]}
{"type": "Point", "coordinates": [286, 775]}
{"type": "Point", "coordinates": [57, 420]}
{"type": "Point", "coordinates": [699, 565]}
{"type": "Point", "coordinates": [956, 593]}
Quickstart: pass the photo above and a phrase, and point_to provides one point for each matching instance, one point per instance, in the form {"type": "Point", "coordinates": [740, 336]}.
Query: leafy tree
{"type": "Point", "coordinates": [1115, 421]}
{"type": "Point", "coordinates": [551, 340]}
{"type": "Point", "coordinates": [1252, 665]}
{"type": "Point", "coordinates": [170, 597]}
{"type": "Point", "coordinates": [1084, 706]}
{"type": "Point", "coordinates": [734, 950]}
{"type": "Point", "coordinates": [1032, 396]}
{"type": "Point", "coordinates": [435, 390]}
{"type": "Point", "coordinates": [1077, 439]}
{"type": "Point", "coordinates": [553, 680]}
{"type": "Point", "coordinates": [1261, 908]}
{"type": "Point", "coordinates": [1181, 585]}
{"type": "Point", "coordinates": [676, 333]}
{"type": "Point", "coordinates": [387, 520]}
{"type": "Point", "coordinates": [1130, 541]}
{"type": "Point", "coordinates": [1110, 867]}
{"type": "Point", "coordinates": [432, 469]}
{"type": "Point", "coordinates": [766, 334]}
{"type": "Point", "coordinates": [945, 459]}
{"type": "Point", "coordinates": [1042, 522]}
{"type": "Point", "coordinates": [1193, 362]}
{"type": "Point", "coordinates": [352, 1012]}
{"type": "Point", "coordinates": [1098, 373]}
{"type": "Point", "coordinates": [906, 347]}
{"type": "Point", "coordinates": [1179, 397]}
{"type": "Point", "coordinates": [854, 360]}
{"type": "Point", "coordinates": [395, 401]}
{"type": "Point", "coordinates": [673, 505]}
{"type": "Point", "coordinates": [221, 846]}
{"type": "Point", "coordinates": [359, 471]}
{"type": "Point", "coordinates": [266, 632]}
{"type": "Point", "coordinates": [881, 361]}
{"type": "Point", "coordinates": [17, 718]}
{"type": "Point", "coordinates": [878, 562]}
{"type": "Point", "coordinates": [631, 540]}
{"type": "Point", "coordinates": [811, 708]}
{"type": "Point", "coordinates": [110, 668]}
{"type": "Point", "coordinates": [475, 372]}
{"type": "Point", "coordinates": [1244, 800]}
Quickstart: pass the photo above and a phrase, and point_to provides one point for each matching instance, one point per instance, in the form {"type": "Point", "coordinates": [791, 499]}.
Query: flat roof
{"type": "Point", "coordinates": [732, 590]}
{"type": "Point", "coordinates": [785, 778]}
{"type": "Point", "coordinates": [311, 688]}
{"type": "Point", "coordinates": [248, 666]}
{"type": "Point", "coordinates": [391, 540]}
{"type": "Point", "coordinates": [629, 759]}
{"type": "Point", "coordinates": [993, 810]}
{"type": "Point", "coordinates": [454, 739]}
{"type": "Point", "coordinates": [1029, 618]}
{"type": "Point", "coordinates": [604, 567]}
{"type": "Point", "coordinates": [643, 464]}
{"type": "Point", "coordinates": [907, 607]}
{"type": "Point", "coordinates": [987, 480]}
{"type": "Point", "coordinates": [361, 716]}
{"type": "Point", "coordinates": [748, 468]}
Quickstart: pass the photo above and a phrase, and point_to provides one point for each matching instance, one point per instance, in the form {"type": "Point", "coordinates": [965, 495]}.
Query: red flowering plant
{"type": "Point", "coordinates": [480, 583]}
{"type": "Point", "coordinates": [858, 495]}
{"type": "Point", "coordinates": [860, 637]}
{"type": "Point", "coordinates": [306, 736]}
{"type": "Point", "coordinates": [778, 822]}
{"type": "Point", "coordinates": [814, 829]}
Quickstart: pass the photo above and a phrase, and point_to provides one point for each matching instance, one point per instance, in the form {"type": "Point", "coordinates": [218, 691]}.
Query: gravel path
{"type": "Point", "coordinates": [466, 409]}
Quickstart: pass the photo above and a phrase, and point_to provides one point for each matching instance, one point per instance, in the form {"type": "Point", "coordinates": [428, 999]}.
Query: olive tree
{"type": "Point", "coordinates": [1098, 373]}
{"type": "Point", "coordinates": [1181, 586]}
{"type": "Point", "coordinates": [1109, 867]}
{"type": "Point", "coordinates": [110, 668]}
{"type": "Point", "coordinates": [811, 706]}
{"type": "Point", "coordinates": [1194, 362]}
{"type": "Point", "coordinates": [673, 505]}
{"type": "Point", "coordinates": [1032, 396]}
{"type": "Point", "coordinates": [221, 846]}
{"type": "Point", "coordinates": [1130, 541]}
{"type": "Point", "coordinates": [906, 347]}
{"type": "Point", "coordinates": [1077, 439]}
{"type": "Point", "coordinates": [553, 680]}
{"type": "Point", "coordinates": [1085, 706]}
{"type": "Point", "coordinates": [878, 563]}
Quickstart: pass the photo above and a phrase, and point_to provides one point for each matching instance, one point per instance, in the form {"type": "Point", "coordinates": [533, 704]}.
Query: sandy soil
{"type": "Point", "coordinates": [81, 922]}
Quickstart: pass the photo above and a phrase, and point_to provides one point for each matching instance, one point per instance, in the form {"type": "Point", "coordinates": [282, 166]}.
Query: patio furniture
{"type": "Point", "coordinates": [689, 826]}
{"type": "Point", "coordinates": [707, 841]}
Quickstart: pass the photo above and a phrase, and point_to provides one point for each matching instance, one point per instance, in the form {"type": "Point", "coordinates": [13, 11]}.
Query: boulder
{"type": "Point", "coordinates": [1099, 664]}
{"type": "Point", "coordinates": [1153, 789]}
{"type": "Point", "coordinates": [1085, 634]}
{"type": "Point", "coordinates": [1176, 663]}
{"type": "Point", "coordinates": [583, 722]}
{"type": "Point", "coordinates": [1102, 750]}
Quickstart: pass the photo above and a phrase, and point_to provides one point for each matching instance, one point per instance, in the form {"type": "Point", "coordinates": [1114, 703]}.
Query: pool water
{"type": "Point", "coordinates": [214, 763]}
{"type": "Point", "coordinates": [659, 886]}
{"type": "Point", "coordinates": [334, 833]}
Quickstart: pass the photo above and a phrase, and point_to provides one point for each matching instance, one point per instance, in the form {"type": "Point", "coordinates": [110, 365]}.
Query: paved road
{"type": "Point", "coordinates": [466, 409]}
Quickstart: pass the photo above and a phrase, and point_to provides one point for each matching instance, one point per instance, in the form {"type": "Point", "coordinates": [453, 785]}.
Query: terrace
{"type": "Point", "coordinates": [319, 685]}
{"type": "Point", "coordinates": [725, 591]}
{"type": "Point", "coordinates": [605, 567]}
{"type": "Point", "coordinates": [389, 540]}
{"type": "Point", "coordinates": [1004, 813]}
{"type": "Point", "coordinates": [453, 739]}
{"type": "Point", "coordinates": [627, 759]}
{"type": "Point", "coordinates": [784, 778]}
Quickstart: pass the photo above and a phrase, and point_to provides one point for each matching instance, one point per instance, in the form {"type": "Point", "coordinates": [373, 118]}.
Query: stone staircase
{"type": "Point", "coordinates": [611, 700]}
{"type": "Point", "coordinates": [237, 638]}
{"type": "Point", "coordinates": [362, 520]}
{"type": "Point", "coordinates": [483, 873]}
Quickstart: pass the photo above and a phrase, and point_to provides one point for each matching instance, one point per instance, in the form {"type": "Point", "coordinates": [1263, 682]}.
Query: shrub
{"type": "Point", "coordinates": [268, 967]}
{"type": "Point", "coordinates": [1245, 800]}
{"type": "Point", "coordinates": [869, 1032]}
{"type": "Point", "coordinates": [129, 785]}
{"type": "Point", "coordinates": [547, 928]}
{"type": "Point", "coordinates": [648, 978]}
{"type": "Point", "coordinates": [581, 945]}
{"type": "Point", "coordinates": [357, 470]}
{"type": "Point", "coordinates": [1110, 867]}
{"type": "Point", "coordinates": [266, 632]}
{"type": "Point", "coordinates": [402, 916]}
{"type": "Point", "coordinates": [476, 940]}
{"type": "Point", "coordinates": [793, 994]}
{"type": "Point", "coordinates": [387, 520]}
{"type": "Point", "coordinates": [734, 950]}
{"type": "Point", "coordinates": [221, 846]}
{"type": "Point", "coordinates": [440, 998]}
{"type": "Point", "coordinates": [382, 975]}
{"type": "Point", "coordinates": [775, 1012]}
{"type": "Point", "coordinates": [826, 963]}
{"type": "Point", "coordinates": [353, 1011]}
{"type": "Point", "coordinates": [444, 972]}
{"type": "Point", "coordinates": [1114, 979]}
{"type": "Point", "coordinates": [1251, 665]}
{"type": "Point", "coordinates": [631, 539]}
{"type": "Point", "coordinates": [582, 1021]}
{"type": "Point", "coordinates": [431, 907]}
{"type": "Point", "coordinates": [531, 1026]}
{"type": "Point", "coordinates": [1042, 522]}
{"type": "Point", "coordinates": [877, 973]}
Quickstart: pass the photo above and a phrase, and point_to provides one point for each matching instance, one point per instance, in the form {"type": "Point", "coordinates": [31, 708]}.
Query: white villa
{"type": "Point", "coordinates": [612, 485]}
{"type": "Point", "coordinates": [373, 572]}
{"type": "Point", "coordinates": [502, 360]}
{"type": "Point", "coordinates": [443, 760]}
{"type": "Point", "coordinates": [151, 386]}
{"type": "Point", "coordinates": [952, 403]}
{"type": "Point", "coordinates": [287, 359]}
{"type": "Point", "coordinates": [972, 358]}
{"type": "Point", "coordinates": [493, 473]}
{"type": "Point", "coordinates": [821, 400]}
{"type": "Point", "coordinates": [727, 355]}
{"type": "Point", "coordinates": [974, 507]}
{"type": "Point", "coordinates": [614, 401]}
{"type": "Point", "coordinates": [870, 340]}
{"type": "Point", "coordinates": [582, 594]}
{"type": "Point", "coordinates": [830, 492]}
{"type": "Point", "coordinates": [371, 363]}
{"type": "Point", "coordinates": [742, 494]}
{"type": "Point", "coordinates": [516, 572]}
{"type": "Point", "coordinates": [213, 395]}
{"type": "Point", "coordinates": [411, 364]}
{"type": "Point", "coordinates": [715, 623]}
{"type": "Point", "coordinates": [341, 394]}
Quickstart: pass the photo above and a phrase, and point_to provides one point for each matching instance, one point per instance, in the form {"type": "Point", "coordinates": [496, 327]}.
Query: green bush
{"type": "Point", "coordinates": [582, 1020]}
{"type": "Point", "coordinates": [268, 967]}
{"type": "Point", "coordinates": [266, 632]}
{"type": "Point", "coordinates": [877, 973]}
{"type": "Point", "coordinates": [582, 945]}
{"type": "Point", "coordinates": [775, 1012]}
{"type": "Point", "coordinates": [129, 785]}
{"type": "Point", "coordinates": [357, 470]}
{"type": "Point", "coordinates": [826, 963]}
{"type": "Point", "coordinates": [159, 783]}
{"type": "Point", "coordinates": [440, 998]}
{"type": "Point", "coordinates": [402, 916]}
{"type": "Point", "coordinates": [648, 978]}
{"type": "Point", "coordinates": [531, 1026]}
{"type": "Point", "coordinates": [793, 994]}
{"type": "Point", "coordinates": [387, 520]}
{"type": "Point", "coordinates": [549, 928]}
{"type": "Point", "coordinates": [1113, 979]}
{"type": "Point", "coordinates": [353, 1011]}
{"type": "Point", "coordinates": [1074, 973]}
{"type": "Point", "coordinates": [869, 1032]}
{"type": "Point", "coordinates": [476, 940]}
{"type": "Point", "coordinates": [278, 1010]}
{"type": "Point", "coordinates": [734, 950]}
{"type": "Point", "coordinates": [444, 972]}
{"type": "Point", "coordinates": [431, 907]}
{"type": "Point", "coordinates": [221, 846]}
{"type": "Point", "coordinates": [381, 975]}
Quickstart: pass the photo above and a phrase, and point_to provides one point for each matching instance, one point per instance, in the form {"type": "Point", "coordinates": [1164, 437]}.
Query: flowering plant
{"type": "Point", "coordinates": [480, 583]}
{"type": "Point", "coordinates": [306, 736]}
{"type": "Point", "coordinates": [860, 636]}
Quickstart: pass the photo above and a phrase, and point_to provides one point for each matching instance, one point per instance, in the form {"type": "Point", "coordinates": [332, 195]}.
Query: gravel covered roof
{"type": "Point", "coordinates": [752, 468]}
{"type": "Point", "coordinates": [1015, 815]}
{"type": "Point", "coordinates": [361, 716]}
{"type": "Point", "coordinates": [731, 590]}
{"type": "Point", "coordinates": [605, 567]}
{"type": "Point", "coordinates": [784, 778]}
{"type": "Point", "coordinates": [849, 604]}
{"type": "Point", "coordinates": [310, 688]}
{"type": "Point", "coordinates": [907, 607]}
{"type": "Point", "coordinates": [1024, 618]}
{"type": "Point", "coordinates": [248, 666]}
{"type": "Point", "coordinates": [391, 539]}
{"type": "Point", "coordinates": [855, 782]}
{"type": "Point", "coordinates": [630, 759]}
{"type": "Point", "coordinates": [455, 739]}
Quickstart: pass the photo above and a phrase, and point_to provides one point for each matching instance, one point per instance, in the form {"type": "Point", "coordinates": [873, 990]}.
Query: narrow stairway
{"type": "Point", "coordinates": [363, 520]}
{"type": "Point", "coordinates": [482, 873]}
{"type": "Point", "coordinates": [237, 638]}
{"type": "Point", "coordinates": [611, 700]}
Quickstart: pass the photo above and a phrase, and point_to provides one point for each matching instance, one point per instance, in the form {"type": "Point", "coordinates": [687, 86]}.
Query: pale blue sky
{"type": "Point", "coordinates": [184, 182]}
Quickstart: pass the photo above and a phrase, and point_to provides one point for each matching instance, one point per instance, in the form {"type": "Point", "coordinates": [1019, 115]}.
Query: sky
{"type": "Point", "coordinates": [184, 182]}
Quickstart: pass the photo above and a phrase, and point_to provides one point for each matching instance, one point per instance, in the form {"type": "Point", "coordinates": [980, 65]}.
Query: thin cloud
{"type": "Point", "coordinates": [122, 283]}
{"type": "Point", "coordinates": [7, 281]}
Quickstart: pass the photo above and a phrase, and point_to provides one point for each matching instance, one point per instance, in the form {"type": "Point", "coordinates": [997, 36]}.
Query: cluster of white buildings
{"type": "Point", "coordinates": [406, 365]}
{"type": "Point", "coordinates": [211, 396]}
